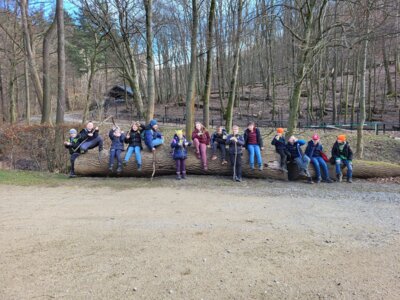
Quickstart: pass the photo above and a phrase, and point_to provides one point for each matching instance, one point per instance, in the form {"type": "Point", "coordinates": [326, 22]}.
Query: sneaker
{"type": "Point", "coordinates": [339, 177]}
{"type": "Point", "coordinates": [72, 174]}
{"type": "Point", "coordinates": [178, 177]}
{"type": "Point", "coordinates": [318, 180]}
{"type": "Point", "coordinates": [260, 168]}
{"type": "Point", "coordinates": [309, 180]}
{"type": "Point", "coordinates": [238, 179]}
{"type": "Point", "coordinates": [251, 168]}
{"type": "Point", "coordinates": [328, 180]}
{"type": "Point", "coordinates": [224, 162]}
{"type": "Point", "coordinates": [349, 180]}
{"type": "Point", "coordinates": [198, 155]}
{"type": "Point", "coordinates": [184, 175]}
{"type": "Point", "coordinates": [110, 168]}
{"type": "Point", "coordinates": [214, 157]}
{"type": "Point", "coordinates": [283, 169]}
{"type": "Point", "coordinates": [302, 173]}
{"type": "Point", "coordinates": [119, 169]}
{"type": "Point", "coordinates": [101, 148]}
{"type": "Point", "coordinates": [139, 168]}
{"type": "Point", "coordinates": [124, 163]}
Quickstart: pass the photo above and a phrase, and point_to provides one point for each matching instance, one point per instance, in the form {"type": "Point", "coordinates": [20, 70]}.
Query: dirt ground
{"type": "Point", "coordinates": [174, 240]}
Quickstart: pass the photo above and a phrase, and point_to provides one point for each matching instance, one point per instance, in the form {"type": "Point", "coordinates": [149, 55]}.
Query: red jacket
{"type": "Point", "coordinates": [203, 139]}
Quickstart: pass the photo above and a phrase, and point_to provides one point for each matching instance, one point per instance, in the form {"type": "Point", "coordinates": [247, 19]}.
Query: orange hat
{"type": "Point", "coordinates": [280, 130]}
{"type": "Point", "coordinates": [341, 138]}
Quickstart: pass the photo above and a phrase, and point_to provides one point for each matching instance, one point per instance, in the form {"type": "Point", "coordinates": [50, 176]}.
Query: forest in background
{"type": "Point", "coordinates": [328, 61]}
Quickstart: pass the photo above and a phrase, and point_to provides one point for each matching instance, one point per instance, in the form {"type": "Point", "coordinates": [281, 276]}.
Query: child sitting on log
{"type": "Point", "coordinates": [236, 143]}
{"type": "Point", "coordinates": [152, 136]}
{"type": "Point", "coordinates": [254, 144]}
{"type": "Point", "coordinates": [342, 155]}
{"type": "Point", "coordinates": [134, 139]}
{"type": "Point", "coordinates": [73, 145]}
{"type": "Point", "coordinates": [314, 152]}
{"type": "Point", "coordinates": [296, 155]}
{"type": "Point", "coordinates": [117, 138]}
{"type": "Point", "coordinates": [218, 141]}
{"type": "Point", "coordinates": [90, 138]}
{"type": "Point", "coordinates": [201, 139]}
{"type": "Point", "coordinates": [280, 147]}
{"type": "Point", "coordinates": [179, 145]}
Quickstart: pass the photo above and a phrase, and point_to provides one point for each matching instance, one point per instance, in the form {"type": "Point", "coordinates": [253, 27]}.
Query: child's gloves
{"type": "Point", "coordinates": [187, 144]}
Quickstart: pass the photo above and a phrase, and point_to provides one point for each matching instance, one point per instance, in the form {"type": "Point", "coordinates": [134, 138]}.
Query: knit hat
{"type": "Point", "coordinates": [341, 138]}
{"type": "Point", "coordinates": [73, 131]}
{"type": "Point", "coordinates": [315, 137]}
{"type": "Point", "coordinates": [179, 132]}
{"type": "Point", "coordinates": [280, 130]}
{"type": "Point", "coordinates": [153, 122]}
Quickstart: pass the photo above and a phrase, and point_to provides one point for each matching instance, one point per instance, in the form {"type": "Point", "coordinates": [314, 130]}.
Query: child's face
{"type": "Point", "coordinates": [180, 135]}
{"type": "Point", "coordinates": [134, 127]}
{"type": "Point", "coordinates": [117, 132]}
{"type": "Point", "coordinates": [251, 127]}
{"type": "Point", "coordinates": [198, 126]}
{"type": "Point", "coordinates": [219, 130]}
{"type": "Point", "coordinates": [89, 126]}
{"type": "Point", "coordinates": [291, 141]}
{"type": "Point", "coordinates": [72, 135]}
{"type": "Point", "coordinates": [155, 127]}
{"type": "Point", "coordinates": [235, 130]}
{"type": "Point", "coordinates": [315, 141]}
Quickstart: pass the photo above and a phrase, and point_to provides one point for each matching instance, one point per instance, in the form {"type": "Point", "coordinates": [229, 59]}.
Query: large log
{"type": "Point", "coordinates": [361, 169]}
{"type": "Point", "coordinates": [89, 164]}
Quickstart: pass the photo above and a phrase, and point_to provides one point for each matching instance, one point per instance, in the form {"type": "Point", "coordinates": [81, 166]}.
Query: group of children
{"type": "Point", "coordinates": [251, 140]}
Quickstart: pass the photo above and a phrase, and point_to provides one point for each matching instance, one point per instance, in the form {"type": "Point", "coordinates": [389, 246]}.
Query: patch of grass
{"type": "Point", "coordinates": [27, 178]}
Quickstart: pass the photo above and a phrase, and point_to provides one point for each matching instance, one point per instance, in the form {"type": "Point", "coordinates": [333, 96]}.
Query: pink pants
{"type": "Point", "coordinates": [202, 149]}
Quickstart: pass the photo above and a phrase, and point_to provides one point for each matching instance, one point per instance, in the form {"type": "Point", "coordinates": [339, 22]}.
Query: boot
{"type": "Point", "coordinates": [183, 175]}
{"type": "Point", "coordinates": [110, 168]}
{"type": "Point", "coordinates": [318, 180]}
{"type": "Point", "coordinates": [349, 180]}
{"type": "Point", "coordinates": [339, 177]}
{"type": "Point", "coordinates": [119, 169]}
{"type": "Point", "coordinates": [72, 174]}
{"type": "Point", "coordinates": [260, 167]}
{"type": "Point", "coordinates": [309, 180]}
{"type": "Point", "coordinates": [178, 176]}
{"type": "Point", "coordinates": [125, 163]}
{"type": "Point", "coordinates": [139, 168]}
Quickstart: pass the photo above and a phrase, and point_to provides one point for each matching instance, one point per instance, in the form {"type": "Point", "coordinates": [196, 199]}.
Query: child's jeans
{"type": "Point", "coordinates": [254, 150]}
{"type": "Point", "coordinates": [303, 163]}
{"type": "Point", "coordinates": [115, 153]}
{"type": "Point", "coordinates": [98, 141]}
{"type": "Point", "coordinates": [319, 163]}
{"type": "Point", "coordinates": [157, 142]}
{"type": "Point", "coordinates": [129, 153]}
{"type": "Point", "coordinates": [180, 166]}
{"type": "Point", "coordinates": [347, 163]}
{"type": "Point", "coordinates": [283, 156]}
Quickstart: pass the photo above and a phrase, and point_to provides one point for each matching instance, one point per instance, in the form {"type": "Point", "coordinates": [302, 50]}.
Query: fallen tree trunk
{"type": "Point", "coordinates": [90, 165]}
{"type": "Point", "coordinates": [361, 169]}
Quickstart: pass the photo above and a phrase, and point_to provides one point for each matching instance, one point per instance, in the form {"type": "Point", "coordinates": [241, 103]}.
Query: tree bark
{"type": "Point", "coordinates": [207, 86]}
{"type": "Point", "coordinates": [390, 90]}
{"type": "Point", "coordinates": [89, 165]}
{"type": "Point", "coordinates": [27, 93]}
{"type": "Point", "coordinates": [236, 56]}
{"type": "Point", "coordinates": [150, 61]}
{"type": "Point", "coordinates": [29, 52]}
{"type": "Point", "coordinates": [61, 62]}
{"type": "Point", "coordinates": [46, 109]}
{"type": "Point", "coordinates": [190, 97]}
{"type": "Point", "coordinates": [3, 103]}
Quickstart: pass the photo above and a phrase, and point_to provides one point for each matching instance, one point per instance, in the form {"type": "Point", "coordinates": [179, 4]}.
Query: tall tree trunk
{"type": "Point", "coordinates": [150, 60]}
{"type": "Point", "coordinates": [46, 109]}
{"type": "Point", "coordinates": [190, 97]}
{"type": "Point", "coordinates": [390, 90]}
{"type": "Point", "coordinates": [61, 62]}
{"type": "Point", "coordinates": [30, 53]}
{"type": "Point", "coordinates": [27, 93]}
{"type": "Point", "coordinates": [207, 86]}
{"type": "Point", "coordinates": [236, 56]}
{"type": "Point", "coordinates": [2, 98]}
{"type": "Point", "coordinates": [360, 127]}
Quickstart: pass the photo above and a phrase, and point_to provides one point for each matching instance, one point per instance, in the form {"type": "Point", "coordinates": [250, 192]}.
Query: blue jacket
{"type": "Point", "coordinates": [149, 135]}
{"type": "Point", "coordinates": [259, 137]}
{"type": "Point", "coordinates": [117, 142]}
{"type": "Point", "coordinates": [179, 147]}
{"type": "Point", "coordinates": [295, 149]}
{"type": "Point", "coordinates": [239, 144]}
{"type": "Point", "coordinates": [279, 144]}
{"type": "Point", "coordinates": [219, 138]}
{"type": "Point", "coordinates": [313, 150]}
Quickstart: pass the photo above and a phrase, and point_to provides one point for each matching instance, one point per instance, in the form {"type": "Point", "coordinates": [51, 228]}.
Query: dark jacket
{"type": "Point", "coordinates": [84, 134]}
{"type": "Point", "coordinates": [117, 142]}
{"type": "Point", "coordinates": [179, 148]}
{"type": "Point", "coordinates": [135, 139]}
{"type": "Point", "coordinates": [258, 134]}
{"type": "Point", "coordinates": [239, 144]}
{"type": "Point", "coordinates": [219, 138]}
{"type": "Point", "coordinates": [279, 144]}
{"type": "Point", "coordinates": [295, 149]}
{"type": "Point", "coordinates": [203, 138]}
{"type": "Point", "coordinates": [347, 153]}
{"type": "Point", "coordinates": [149, 135]}
{"type": "Point", "coordinates": [75, 142]}
{"type": "Point", "coordinates": [313, 150]}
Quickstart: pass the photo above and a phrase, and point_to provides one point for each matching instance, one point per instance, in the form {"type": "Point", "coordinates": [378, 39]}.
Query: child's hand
{"type": "Point", "coordinates": [234, 139]}
{"type": "Point", "coordinates": [96, 129]}
{"type": "Point", "coordinates": [262, 148]}
{"type": "Point", "coordinates": [67, 143]}
{"type": "Point", "coordinates": [90, 134]}
{"type": "Point", "coordinates": [186, 144]}
{"type": "Point", "coordinates": [277, 137]}
{"type": "Point", "coordinates": [224, 137]}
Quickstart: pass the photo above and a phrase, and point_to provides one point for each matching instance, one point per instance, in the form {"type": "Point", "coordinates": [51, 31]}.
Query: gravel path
{"type": "Point", "coordinates": [174, 240]}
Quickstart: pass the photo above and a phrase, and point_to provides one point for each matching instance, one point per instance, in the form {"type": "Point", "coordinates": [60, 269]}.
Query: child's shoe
{"type": "Point", "coordinates": [139, 168]}
{"type": "Point", "coordinates": [309, 180]}
{"type": "Point", "coordinates": [178, 176]}
{"type": "Point", "coordinates": [260, 168]}
{"type": "Point", "coordinates": [124, 163]}
{"type": "Point", "coordinates": [224, 162]}
{"type": "Point", "coordinates": [110, 168]}
{"type": "Point", "coordinates": [214, 157]}
{"type": "Point", "coordinates": [328, 180]}
{"type": "Point", "coordinates": [318, 180]}
{"type": "Point", "coordinates": [339, 177]}
{"type": "Point", "coordinates": [349, 180]}
{"type": "Point", "coordinates": [72, 174]}
{"type": "Point", "coordinates": [119, 169]}
{"type": "Point", "coordinates": [183, 175]}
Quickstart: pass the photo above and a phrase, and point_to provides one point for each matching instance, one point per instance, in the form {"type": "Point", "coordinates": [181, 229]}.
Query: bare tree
{"type": "Point", "coordinates": [148, 4]}
{"type": "Point", "coordinates": [61, 62]}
